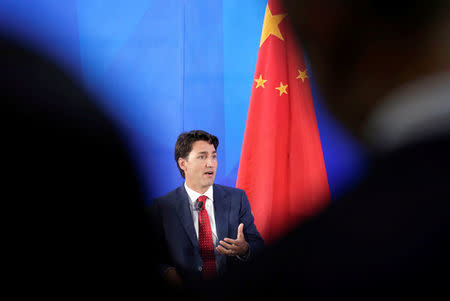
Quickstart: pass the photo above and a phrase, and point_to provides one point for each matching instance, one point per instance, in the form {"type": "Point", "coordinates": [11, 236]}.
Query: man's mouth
{"type": "Point", "coordinates": [209, 173]}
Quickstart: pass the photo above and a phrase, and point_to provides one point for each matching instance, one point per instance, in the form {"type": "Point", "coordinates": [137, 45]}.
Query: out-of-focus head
{"type": "Point", "coordinates": [360, 50]}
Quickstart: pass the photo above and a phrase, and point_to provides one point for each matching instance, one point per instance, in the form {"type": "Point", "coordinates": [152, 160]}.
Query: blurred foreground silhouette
{"type": "Point", "coordinates": [384, 70]}
{"type": "Point", "coordinates": [75, 220]}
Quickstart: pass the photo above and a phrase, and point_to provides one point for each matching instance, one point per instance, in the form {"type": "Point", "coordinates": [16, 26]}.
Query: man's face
{"type": "Point", "coordinates": [200, 166]}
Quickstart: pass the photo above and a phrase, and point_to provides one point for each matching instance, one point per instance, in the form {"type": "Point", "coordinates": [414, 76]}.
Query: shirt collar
{"type": "Point", "coordinates": [193, 195]}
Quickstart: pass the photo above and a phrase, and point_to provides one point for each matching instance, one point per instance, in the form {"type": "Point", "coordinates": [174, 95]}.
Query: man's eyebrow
{"type": "Point", "coordinates": [205, 153]}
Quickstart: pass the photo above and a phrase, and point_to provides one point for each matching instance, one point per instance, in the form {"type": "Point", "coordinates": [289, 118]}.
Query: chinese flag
{"type": "Point", "coordinates": [281, 168]}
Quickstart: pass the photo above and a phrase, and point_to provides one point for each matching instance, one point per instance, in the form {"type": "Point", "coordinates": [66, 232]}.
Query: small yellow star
{"type": "Point", "coordinates": [282, 88]}
{"type": "Point", "coordinates": [260, 81]}
{"type": "Point", "coordinates": [302, 75]}
{"type": "Point", "coordinates": [270, 25]}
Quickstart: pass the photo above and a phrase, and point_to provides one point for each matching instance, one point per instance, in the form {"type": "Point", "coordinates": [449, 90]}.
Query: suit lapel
{"type": "Point", "coordinates": [221, 211]}
{"type": "Point", "coordinates": [184, 213]}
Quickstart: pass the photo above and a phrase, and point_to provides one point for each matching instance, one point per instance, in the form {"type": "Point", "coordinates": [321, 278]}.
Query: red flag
{"type": "Point", "coordinates": [281, 168]}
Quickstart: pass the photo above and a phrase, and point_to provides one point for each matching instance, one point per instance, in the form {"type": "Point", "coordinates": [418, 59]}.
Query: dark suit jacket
{"type": "Point", "coordinates": [175, 232]}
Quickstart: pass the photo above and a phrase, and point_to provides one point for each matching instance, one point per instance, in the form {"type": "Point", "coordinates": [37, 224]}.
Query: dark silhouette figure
{"type": "Point", "coordinates": [384, 70]}
{"type": "Point", "coordinates": [75, 219]}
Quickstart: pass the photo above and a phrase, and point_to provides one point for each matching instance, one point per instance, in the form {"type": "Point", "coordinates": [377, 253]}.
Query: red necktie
{"type": "Point", "coordinates": [205, 240]}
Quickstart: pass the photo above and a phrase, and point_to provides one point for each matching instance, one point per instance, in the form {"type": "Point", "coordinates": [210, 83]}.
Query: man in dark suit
{"type": "Point", "coordinates": [195, 223]}
{"type": "Point", "coordinates": [384, 70]}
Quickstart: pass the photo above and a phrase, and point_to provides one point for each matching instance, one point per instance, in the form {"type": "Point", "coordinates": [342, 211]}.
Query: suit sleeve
{"type": "Point", "coordinates": [252, 236]}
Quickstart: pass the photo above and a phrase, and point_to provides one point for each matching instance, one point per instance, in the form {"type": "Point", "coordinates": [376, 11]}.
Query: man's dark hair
{"type": "Point", "coordinates": [185, 140]}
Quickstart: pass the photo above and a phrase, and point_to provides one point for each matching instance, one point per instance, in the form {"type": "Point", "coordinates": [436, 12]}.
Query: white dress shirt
{"type": "Point", "coordinates": [209, 206]}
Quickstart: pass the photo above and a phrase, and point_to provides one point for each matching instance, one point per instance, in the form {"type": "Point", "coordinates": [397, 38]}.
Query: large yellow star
{"type": "Point", "coordinates": [302, 74]}
{"type": "Point", "coordinates": [282, 88]}
{"type": "Point", "coordinates": [271, 25]}
{"type": "Point", "coordinates": [260, 81]}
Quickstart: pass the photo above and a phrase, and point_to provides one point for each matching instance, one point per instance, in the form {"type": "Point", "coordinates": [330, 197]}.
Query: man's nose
{"type": "Point", "coordinates": [209, 161]}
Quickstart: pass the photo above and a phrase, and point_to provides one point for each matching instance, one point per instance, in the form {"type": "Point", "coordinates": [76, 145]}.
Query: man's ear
{"type": "Point", "coordinates": [182, 163]}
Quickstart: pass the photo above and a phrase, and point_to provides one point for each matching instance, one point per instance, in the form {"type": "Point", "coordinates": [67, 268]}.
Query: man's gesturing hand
{"type": "Point", "coordinates": [233, 247]}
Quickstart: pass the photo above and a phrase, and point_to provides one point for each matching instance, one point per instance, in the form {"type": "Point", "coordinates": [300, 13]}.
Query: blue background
{"type": "Point", "coordinates": [163, 67]}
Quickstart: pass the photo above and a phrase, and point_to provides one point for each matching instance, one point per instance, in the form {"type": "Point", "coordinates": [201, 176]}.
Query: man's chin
{"type": "Point", "coordinates": [209, 182]}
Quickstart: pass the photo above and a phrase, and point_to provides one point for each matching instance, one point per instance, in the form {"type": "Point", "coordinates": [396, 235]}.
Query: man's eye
{"type": "Point", "coordinates": [201, 157]}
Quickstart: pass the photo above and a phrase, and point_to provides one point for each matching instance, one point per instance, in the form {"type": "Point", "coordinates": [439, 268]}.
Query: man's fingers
{"type": "Point", "coordinates": [240, 234]}
{"type": "Point", "coordinates": [224, 251]}
{"type": "Point", "coordinates": [231, 241]}
{"type": "Point", "coordinates": [228, 246]}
